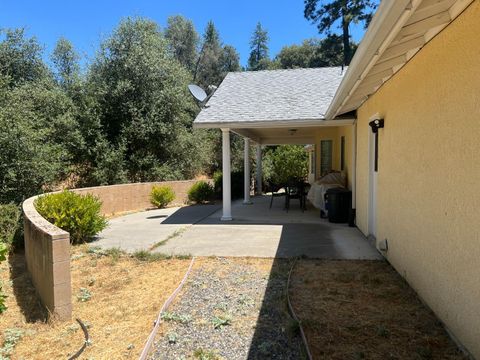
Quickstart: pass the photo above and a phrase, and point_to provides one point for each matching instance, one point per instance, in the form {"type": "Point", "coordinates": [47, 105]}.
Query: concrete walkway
{"type": "Point", "coordinates": [256, 231]}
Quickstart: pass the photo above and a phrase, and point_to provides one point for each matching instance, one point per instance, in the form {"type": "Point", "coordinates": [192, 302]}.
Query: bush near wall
{"type": "Point", "coordinates": [237, 181]}
{"type": "Point", "coordinates": [161, 195]}
{"type": "Point", "coordinates": [9, 217]}
{"type": "Point", "coordinates": [77, 214]}
{"type": "Point", "coordinates": [9, 222]}
{"type": "Point", "coordinates": [200, 192]}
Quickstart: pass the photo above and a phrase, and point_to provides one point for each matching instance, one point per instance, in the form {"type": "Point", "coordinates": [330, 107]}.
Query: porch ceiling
{"type": "Point", "coordinates": [281, 135]}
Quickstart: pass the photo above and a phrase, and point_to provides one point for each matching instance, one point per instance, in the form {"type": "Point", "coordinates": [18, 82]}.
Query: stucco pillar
{"type": "Point", "coordinates": [259, 170]}
{"type": "Point", "coordinates": [226, 175]}
{"type": "Point", "coordinates": [246, 171]}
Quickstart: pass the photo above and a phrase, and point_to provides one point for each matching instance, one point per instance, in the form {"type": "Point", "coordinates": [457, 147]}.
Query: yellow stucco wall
{"type": "Point", "coordinates": [428, 204]}
{"type": "Point", "coordinates": [335, 134]}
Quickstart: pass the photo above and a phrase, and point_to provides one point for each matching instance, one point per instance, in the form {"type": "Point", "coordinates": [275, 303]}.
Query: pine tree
{"type": "Point", "coordinates": [326, 14]}
{"type": "Point", "coordinates": [259, 59]}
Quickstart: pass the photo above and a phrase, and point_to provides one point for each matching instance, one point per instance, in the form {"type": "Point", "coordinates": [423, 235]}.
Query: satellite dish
{"type": "Point", "coordinates": [198, 93]}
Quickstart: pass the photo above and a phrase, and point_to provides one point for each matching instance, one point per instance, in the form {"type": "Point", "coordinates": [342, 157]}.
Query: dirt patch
{"type": "Point", "coordinates": [117, 296]}
{"type": "Point", "coordinates": [365, 310]}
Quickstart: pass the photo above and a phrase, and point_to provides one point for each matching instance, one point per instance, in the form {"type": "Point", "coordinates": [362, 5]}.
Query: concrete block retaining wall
{"type": "Point", "coordinates": [47, 247]}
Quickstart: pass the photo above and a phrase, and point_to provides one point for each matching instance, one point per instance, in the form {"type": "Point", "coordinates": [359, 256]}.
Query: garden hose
{"type": "Point", "coordinates": [294, 315]}
{"type": "Point", "coordinates": [85, 343]}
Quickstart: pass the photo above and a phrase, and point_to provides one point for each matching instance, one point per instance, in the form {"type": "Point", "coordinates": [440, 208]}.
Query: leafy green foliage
{"type": "Point", "coordinates": [11, 337]}
{"type": "Point", "coordinates": [200, 192]}
{"type": "Point", "coordinates": [78, 214]}
{"type": "Point", "coordinates": [84, 295]}
{"type": "Point", "coordinates": [161, 195]}
{"type": "Point", "coordinates": [65, 59]}
{"type": "Point", "coordinates": [202, 354]}
{"type": "Point", "coordinates": [327, 14]}
{"type": "Point", "coordinates": [21, 57]}
{"type": "Point", "coordinates": [172, 316]}
{"type": "Point", "coordinates": [313, 53]}
{"type": "Point", "coordinates": [3, 257]}
{"type": "Point", "coordinates": [285, 164]}
{"type": "Point", "coordinates": [39, 132]}
{"type": "Point", "coordinates": [9, 218]}
{"type": "Point", "coordinates": [236, 180]}
{"type": "Point", "coordinates": [182, 40]}
{"type": "Point", "coordinates": [221, 321]}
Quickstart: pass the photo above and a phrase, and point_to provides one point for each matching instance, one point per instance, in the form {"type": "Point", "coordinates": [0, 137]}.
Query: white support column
{"type": "Point", "coordinates": [226, 175]}
{"type": "Point", "coordinates": [246, 171]}
{"type": "Point", "coordinates": [259, 169]}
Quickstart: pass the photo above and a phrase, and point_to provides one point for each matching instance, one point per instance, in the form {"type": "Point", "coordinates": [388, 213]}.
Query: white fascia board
{"type": "Point", "coordinates": [370, 49]}
{"type": "Point", "coordinates": [271, 124]}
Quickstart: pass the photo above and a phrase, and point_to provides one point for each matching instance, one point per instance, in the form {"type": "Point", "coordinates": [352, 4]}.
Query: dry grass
{"type": "Point", "coordinates": [350, 309]}
{"type": "Point", "coordinates": [365, 310]}
{"type": "Point", "coordinates": [126, 295]}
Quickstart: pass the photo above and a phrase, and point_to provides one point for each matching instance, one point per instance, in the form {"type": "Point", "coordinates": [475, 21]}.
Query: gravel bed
{"type": "Point", "coordinates": [232, 310]}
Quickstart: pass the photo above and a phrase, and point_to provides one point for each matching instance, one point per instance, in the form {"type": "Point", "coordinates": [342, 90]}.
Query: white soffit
{"type": "Point", "coordinates": [416, 24]}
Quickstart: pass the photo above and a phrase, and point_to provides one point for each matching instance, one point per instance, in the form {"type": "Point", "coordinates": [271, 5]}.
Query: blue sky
{"type": "Point", "coordinates": [87, 22]}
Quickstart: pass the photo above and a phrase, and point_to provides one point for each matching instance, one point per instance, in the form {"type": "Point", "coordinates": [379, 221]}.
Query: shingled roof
{"type": "Point", "coordinates": [271, 96]}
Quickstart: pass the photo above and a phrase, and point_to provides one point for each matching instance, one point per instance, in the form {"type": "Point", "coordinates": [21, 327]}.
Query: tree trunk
{"type": "Point", "coordinates": [347, 50]}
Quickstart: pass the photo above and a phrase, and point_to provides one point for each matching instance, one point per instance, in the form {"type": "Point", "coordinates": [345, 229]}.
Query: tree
{"type": "Point", "coordinates": [20, 57]}
{"type": "Point", "coordinates": [65, 60]}
{"type": "Point", "coordinates": [327, 14]}
{"type": "Point", "coordinates": [259, 59]}
{"type": "Point", "coordinates": [38, 135]}
{"type": "Point", "coordinates": [313, 53]}
{"type": "Point", "coordinates": [143, 105]}
{"type": "Point", "coordinates": [209, 66]}
{"type": "Point", "coordinates": [230, 59]}
{"type": "Point", "coordinates": [183, 40]}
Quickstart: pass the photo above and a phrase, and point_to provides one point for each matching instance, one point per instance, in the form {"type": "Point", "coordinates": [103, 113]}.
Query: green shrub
{"type": "Point", "coordinates": [237, 181]}
{"type": "Point", "coordinates": [200, 192]}
{"type": "Point", "coordinates": [75, 213]}
{"type": "Point", "coordinates": [9, 218]}
{"type": "Point", "coordinates": [161, 195]}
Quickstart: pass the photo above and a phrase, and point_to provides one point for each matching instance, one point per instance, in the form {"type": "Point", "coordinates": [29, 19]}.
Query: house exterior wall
{"type": "Point", "coordinates": [428, 197]}
{"type": "Point", "coordinates": [335, 134]}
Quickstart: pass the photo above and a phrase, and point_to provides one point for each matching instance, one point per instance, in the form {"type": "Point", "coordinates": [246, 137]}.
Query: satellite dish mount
{"type": "Point", "coordinates": [200, 95]}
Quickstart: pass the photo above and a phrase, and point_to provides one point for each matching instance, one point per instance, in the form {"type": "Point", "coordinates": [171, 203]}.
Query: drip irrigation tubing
{"type": "Point", "coordinates": [165, 306]}
{"type": "Point", "coordinates": [294, 315]}
{"type": "Point", "coordinates": [85, 343]}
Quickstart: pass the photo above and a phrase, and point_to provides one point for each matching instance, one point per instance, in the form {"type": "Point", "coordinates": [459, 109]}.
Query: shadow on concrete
{"type": "Point", "coordinates": [191, 214]}
{"type": "Point", "coordinates": [157, 217]}
{"type": "Point", "coordinates": [24, 291]}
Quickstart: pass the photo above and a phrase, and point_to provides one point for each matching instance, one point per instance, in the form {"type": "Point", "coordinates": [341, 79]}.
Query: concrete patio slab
{"type": "Point", "coordinates": [142, 230]}
{"type": "Point", "coordinates": [256, 231]}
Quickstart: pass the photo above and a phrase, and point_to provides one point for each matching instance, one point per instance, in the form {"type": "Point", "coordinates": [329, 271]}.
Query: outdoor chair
{"type": "Point", "coordinates": [275, 192]}
{"type": "Point", "coordinates": [297, 190]}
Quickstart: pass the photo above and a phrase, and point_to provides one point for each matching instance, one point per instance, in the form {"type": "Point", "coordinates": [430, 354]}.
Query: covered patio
{"type": "Point", "coordinates": [280, 107]}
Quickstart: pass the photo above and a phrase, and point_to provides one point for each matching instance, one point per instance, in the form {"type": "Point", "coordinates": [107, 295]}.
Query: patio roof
{"type": "Point", "coordinates": [272, 98]}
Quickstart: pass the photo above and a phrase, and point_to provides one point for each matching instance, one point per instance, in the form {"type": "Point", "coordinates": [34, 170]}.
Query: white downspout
{"type": "Point", "coordinates": [226, 176]}
{"type": "Point", "coordinates": [246, 171]}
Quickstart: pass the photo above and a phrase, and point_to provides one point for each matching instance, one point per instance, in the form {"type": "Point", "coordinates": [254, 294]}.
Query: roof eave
{"type": "Point", "coordinates": [387, 22]}
{"type": "Point", "coordinates": [287, 123]}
